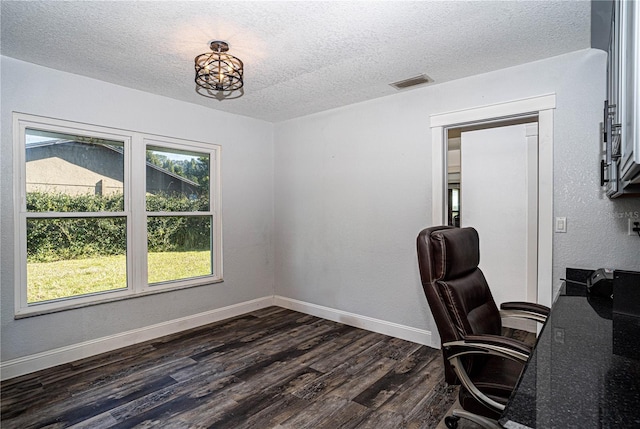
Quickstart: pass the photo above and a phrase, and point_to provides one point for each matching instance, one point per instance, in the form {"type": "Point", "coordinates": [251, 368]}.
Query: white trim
{"type": "Point", "coordinates": [532, 220]}
{"type": "Point", "coordinates": [19, 233]}
{"type": "Point", "coordinates": [543, 106]}
{"type": "Point", "coordinates": [62, 355]}
{"type": "Point", "coordinates": [47, 359]}
{"type": "Point", "coordinates": [545, 207]}
{"type": "Point", "coordinates": [396, 330]}
{"type": "Point", "coordinates": [137, 226]}
{"type": "Point", "coordinates": [498, 110]}
{"type": "Point", "coordinates": [438, 169]}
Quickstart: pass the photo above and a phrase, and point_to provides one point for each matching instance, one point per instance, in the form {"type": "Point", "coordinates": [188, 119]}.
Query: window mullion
{"type": "Point", "coordinates": [60, 215]}
{"type": "Point", "coordinates": [171, 214]}
{"type": "Point", "coordinates": [137, 255]}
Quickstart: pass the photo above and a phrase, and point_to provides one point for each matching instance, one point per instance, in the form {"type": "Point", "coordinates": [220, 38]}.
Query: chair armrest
{"type": "Point", "coordinates": [505, 347]}
{"type": "Point", "coordinates": [525, 310]}
{"type": "Point", "coordinates": [490, 344]}
{"type": "Point", "coordinates": [500, 341]}
{"type": "Point", "coordinates": [526, 306]}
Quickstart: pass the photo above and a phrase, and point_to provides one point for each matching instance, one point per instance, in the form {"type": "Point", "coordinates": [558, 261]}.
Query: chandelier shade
{"type": "Point", "coordinates": [217, 70]}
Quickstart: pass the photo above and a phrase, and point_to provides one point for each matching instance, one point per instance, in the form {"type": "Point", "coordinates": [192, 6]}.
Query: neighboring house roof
{"type": "Point", "coordinates": [163, 177]}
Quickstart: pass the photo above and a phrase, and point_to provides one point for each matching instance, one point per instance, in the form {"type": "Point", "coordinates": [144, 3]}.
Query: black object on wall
{"type": "Point", "coordinates": [626, 293]}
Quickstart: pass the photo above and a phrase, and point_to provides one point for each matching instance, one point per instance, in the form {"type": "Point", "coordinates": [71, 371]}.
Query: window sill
{"type": "Point", "coordinates": [33, 311]}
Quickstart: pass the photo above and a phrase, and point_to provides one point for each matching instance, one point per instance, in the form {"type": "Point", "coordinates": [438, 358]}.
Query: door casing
{"type": "Point", "coordinates": [543, 107]}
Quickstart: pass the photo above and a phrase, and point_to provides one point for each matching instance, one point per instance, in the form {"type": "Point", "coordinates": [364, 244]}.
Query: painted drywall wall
{"type": "Point", "coordinates": [353, 188]}
{"type": "Point", "coordinates": [247, 186]}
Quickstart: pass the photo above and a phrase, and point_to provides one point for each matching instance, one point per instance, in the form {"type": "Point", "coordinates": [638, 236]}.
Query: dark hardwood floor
{"type": "Point", "coordinates": [273, 368]}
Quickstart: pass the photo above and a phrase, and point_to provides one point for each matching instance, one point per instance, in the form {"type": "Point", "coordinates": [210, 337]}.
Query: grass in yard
{"type": "Point", "coordinates": [167, 266]}
{"type": "Point", "coordinates": [61, 279]}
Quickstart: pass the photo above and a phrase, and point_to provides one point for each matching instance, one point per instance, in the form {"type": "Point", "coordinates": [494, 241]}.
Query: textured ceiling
{"type": "Point", "coordinates": [300, 57]}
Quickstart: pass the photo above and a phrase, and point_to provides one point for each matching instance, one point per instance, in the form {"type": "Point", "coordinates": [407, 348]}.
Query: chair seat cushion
{"type": "Point", "coordinates": [496, 377]}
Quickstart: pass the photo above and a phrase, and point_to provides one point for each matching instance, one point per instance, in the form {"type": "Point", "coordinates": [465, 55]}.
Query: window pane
{"type": "Point", "coordinates": [179, 247]}
{"type": "Point", "coordinates": [75, 256]}
{"type": "Point", "coordinates": [71, 173]}
{"type": "Point", "coordinates": [177, 181]}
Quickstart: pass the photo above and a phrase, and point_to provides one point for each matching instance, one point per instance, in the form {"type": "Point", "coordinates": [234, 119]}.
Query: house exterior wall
{"type": "Point", "coordinates": [74, 170]}
{"type": "Point", "coordinates": [79, 169]}
{"type": "Point", "coordinates": [159, 182]}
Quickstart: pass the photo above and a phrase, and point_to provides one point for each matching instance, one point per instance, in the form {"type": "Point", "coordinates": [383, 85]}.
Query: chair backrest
{"type": "Point", "coordinates": [456, 290]}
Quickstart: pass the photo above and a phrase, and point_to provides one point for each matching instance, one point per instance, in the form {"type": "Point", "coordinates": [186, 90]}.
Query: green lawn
{"type": "Point", "coordinates": [60, 279]}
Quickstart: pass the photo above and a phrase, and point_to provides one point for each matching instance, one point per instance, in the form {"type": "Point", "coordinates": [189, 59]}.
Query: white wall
{"type": "Point", "coordinates": [247, 186]}
{"type": "Point", "coordinates": [353, 188]}
{"type": "Point", "coordinates": [350, 187]}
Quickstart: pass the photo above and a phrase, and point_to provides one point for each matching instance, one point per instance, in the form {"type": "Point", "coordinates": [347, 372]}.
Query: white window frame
{"type": "Point", "coordinates": [214, 206]}
{"type": "Point", "coordinates": [135, 144]}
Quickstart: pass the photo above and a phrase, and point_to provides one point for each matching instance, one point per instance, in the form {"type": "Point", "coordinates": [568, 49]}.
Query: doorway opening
{"type": "Point", "coordinates": [449, 197]}
{"type": "Point", "coordinates": [453, 141]}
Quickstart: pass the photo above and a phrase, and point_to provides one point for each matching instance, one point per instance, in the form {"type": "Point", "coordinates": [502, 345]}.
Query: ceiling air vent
{"type": "Point", "coordinates": [412, 81]}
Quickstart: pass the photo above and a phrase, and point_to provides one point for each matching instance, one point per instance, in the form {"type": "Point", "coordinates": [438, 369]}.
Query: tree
{"type": "Point", "coordinates": [195, 169]}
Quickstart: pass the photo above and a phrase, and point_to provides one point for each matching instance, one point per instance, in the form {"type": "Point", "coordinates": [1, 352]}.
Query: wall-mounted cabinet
{"type": "Point", "coordinates": [621, 128]}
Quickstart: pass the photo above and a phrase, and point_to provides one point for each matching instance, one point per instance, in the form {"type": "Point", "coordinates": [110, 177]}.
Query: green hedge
{"type": "Point", "coordinates": [53, 239]}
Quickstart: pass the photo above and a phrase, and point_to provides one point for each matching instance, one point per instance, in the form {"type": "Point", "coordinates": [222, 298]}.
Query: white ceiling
{"type": "Point", "coordinates": [300, 57]}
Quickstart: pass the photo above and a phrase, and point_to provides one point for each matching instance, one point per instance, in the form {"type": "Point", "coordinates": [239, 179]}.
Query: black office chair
{"type": "Point", "coordinates": [476, 355]}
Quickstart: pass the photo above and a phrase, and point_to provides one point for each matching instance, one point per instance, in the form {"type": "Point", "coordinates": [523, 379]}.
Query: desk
{"type": "Point", "coordinates": [584, 371]}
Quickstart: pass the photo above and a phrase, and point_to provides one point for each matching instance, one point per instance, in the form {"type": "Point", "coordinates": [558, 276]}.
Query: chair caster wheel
{"type": "Point", "coordinates": [451, 422]}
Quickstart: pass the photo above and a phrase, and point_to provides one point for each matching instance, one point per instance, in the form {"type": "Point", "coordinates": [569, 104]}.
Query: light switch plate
{"type": "Point", "coordinates": [561, 224]}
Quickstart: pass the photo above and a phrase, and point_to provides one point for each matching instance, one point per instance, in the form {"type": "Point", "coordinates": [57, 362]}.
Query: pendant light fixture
{"type": "Point", "coordinates": [218, 71]}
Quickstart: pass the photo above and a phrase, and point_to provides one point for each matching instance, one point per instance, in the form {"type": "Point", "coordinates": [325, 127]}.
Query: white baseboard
{"type": "Point", "coordinates": [62, 355]}
{"type": "Point", "coordinates": [403, 332]}
{"type": "Point", "coordinates": [36, 362]}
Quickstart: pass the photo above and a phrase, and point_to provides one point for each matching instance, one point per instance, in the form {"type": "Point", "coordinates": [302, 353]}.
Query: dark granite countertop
{"type": "Point", "coordinates": [584, 371]}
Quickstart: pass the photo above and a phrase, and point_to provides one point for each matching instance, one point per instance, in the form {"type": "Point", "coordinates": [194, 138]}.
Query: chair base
{"type": "Point", "coordinates": [452, 421]}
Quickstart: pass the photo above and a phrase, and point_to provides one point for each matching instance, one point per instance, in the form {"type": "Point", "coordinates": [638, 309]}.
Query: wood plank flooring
{"type": "Point", "coordinates": [273, 368]}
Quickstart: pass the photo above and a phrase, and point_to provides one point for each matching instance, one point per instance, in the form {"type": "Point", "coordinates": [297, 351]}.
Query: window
{"type": "Point", "coordinates": [179, 215]}
{"type": "Point", "coordinates": [107, 214]}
